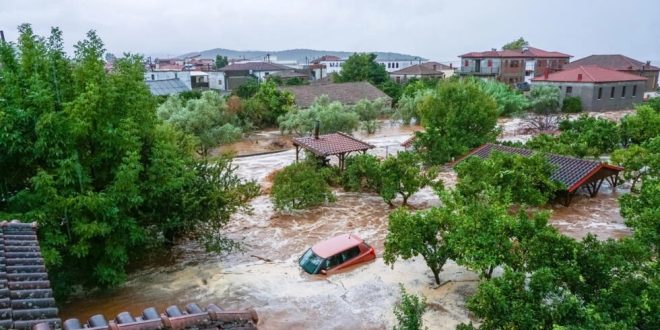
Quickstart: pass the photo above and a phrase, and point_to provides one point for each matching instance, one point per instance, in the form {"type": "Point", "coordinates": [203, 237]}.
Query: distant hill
{"type": "Point", "coordinates": [299, 55]}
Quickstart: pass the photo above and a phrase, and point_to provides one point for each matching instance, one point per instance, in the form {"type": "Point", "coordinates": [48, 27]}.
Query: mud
{"type": "Point", "coordinates": [266, 276]}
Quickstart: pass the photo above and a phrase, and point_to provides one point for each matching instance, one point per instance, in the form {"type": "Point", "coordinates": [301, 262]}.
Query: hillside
{"type": "Point", "coordinates": [300, 55]}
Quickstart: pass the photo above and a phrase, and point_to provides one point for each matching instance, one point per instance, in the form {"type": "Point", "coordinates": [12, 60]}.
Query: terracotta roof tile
{"type": "Point", "coordinates": [612, 62]}
{"type": "Point", "coordinates": [346, 93]}
{"type": "Point", "coordinates": [593, 74]}
{"type": "Point", "coordinates": [331, 144]}
{"type": "Point", "coordinates": [570, 171]}
{"type": "Point", "coordinates": [530, 52]}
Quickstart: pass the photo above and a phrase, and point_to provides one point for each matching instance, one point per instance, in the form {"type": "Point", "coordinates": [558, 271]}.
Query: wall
{"type": "Point", "coordinates": [588, 93]}
{"type": "Point", "coordinates": [494, 69]}
{"type": "Point", "coordinates": [217, 80]}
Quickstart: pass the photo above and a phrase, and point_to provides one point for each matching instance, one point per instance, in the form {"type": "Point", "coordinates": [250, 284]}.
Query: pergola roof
{"type": "Point", "coordinates": [331, 144]}
{"type": "Point", "coordinates": [572, 172]}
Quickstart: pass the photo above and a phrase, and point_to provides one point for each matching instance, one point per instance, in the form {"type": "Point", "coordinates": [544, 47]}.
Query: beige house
{"type": "Point", "coordinates": [432, 70]}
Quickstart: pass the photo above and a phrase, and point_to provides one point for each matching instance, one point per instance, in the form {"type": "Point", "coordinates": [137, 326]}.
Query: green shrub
{"type": "Point", "coordinates": [362, 173]}
{"type": "Point", "coordinates": [409, 311]}
{"type": "Point", "coordinates": [300, 186]}
{"type": "Point", "coordinates": [572, 104]}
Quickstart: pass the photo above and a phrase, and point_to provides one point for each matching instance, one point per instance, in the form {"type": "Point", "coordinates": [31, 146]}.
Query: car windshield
{"type": "Point", "coordinates": [310, 262]}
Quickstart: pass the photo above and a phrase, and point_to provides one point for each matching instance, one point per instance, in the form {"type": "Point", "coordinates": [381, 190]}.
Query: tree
{"type": "Point", "coordinates": [599, 135]}
{"type": "Point", "coordinates": [247, 89]}
{"type": "Point", "coordinates": [362, 173]}
{"type": "Point", "coordinates": [521, 179]}
{"type": "Point", "coordinates": [518, 44]}
{"type": "Point", "coordinates": [266, 105]}
{"type": "Point", "coordinates": [545, 102]}
{"type": "Point", "coordinates": [221, 61]}
{"type": "Point", "coordinates": [419, 233]}
{"type": "Point", "coordinates": [509, 102]}
{"type": "Point", "coordinates": [641, 126]}
{"type": "Point", "coordinates": [84, 154]}
{"type": "Point", "coordinates": [362, 67]}
{"type": "Point", "coordinates": [332, 117]}
{"type": "Point", "coordinates": [206, 118]}
{"type": "Point", "coordinates": [457, 116]}
{"type": "Point", "coordinates": [403, 175]}
{"type": "Point", "coordinates": [639, 162]}
{"type": "Point", "coordinates": [369, 113]}
{"type": "Point", "coordinates": [301, 185]}
{"type": "Point", "coordinates": [409, 311]}
{"type": "Point", "coordinates": [572, 104]}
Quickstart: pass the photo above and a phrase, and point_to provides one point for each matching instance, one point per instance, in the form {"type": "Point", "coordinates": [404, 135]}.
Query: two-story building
{"type": "Point", "coordinates": [236, 74]}
{"type": "Point", "coordinates": [624, 64]}
{"type": "Point", "coordinates": [598, 88]}
{"type": "Point", "coordinates": [512, 66]}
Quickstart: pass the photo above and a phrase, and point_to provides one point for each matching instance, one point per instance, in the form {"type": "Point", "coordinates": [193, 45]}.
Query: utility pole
{"type": "Point", "coordinates": [2, 36]}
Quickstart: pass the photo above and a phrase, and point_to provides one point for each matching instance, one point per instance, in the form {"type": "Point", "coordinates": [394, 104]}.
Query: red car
{"type": "Point", "coordinates": [335, 254]}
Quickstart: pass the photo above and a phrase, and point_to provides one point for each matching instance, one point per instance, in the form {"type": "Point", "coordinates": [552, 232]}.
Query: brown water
{"type": "Point", "coordinates": [267, 277]}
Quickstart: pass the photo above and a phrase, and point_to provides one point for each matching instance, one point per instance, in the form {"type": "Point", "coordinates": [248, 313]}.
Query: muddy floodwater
{"type": "Point", "coordinates": [266, 276]}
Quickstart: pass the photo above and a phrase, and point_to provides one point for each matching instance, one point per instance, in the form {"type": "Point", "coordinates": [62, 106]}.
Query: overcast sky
{"type": "Point", "coordinates": [435, 29]}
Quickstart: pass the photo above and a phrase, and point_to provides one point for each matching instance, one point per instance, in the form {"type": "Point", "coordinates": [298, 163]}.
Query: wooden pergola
{"type": "Point", "coordinates": [336, 144]}
{"type": "Point", "coordinates": [574, 173]}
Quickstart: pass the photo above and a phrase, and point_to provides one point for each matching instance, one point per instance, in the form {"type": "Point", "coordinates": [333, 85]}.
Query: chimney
{"type": "Point", "coordinates": [317, 127]}
{"type": "Point", "coordinates": [579, 77]}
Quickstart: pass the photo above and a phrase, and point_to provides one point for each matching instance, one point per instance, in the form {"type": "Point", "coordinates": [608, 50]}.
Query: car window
{"type": "Point", "coordinates": [333, 261]}
{"type": "Point", "coordinates": [310, 262]}
{"type": "Point", "coordinates": [350, 253]}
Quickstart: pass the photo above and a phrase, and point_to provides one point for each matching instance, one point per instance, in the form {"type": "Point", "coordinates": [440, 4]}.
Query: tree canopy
{"type": "Point", "coordinates": [362, 67]}
{"type": "Point", "coordinates": [517, 44]}
{"type": "Point", "coordinates": [83, 153]}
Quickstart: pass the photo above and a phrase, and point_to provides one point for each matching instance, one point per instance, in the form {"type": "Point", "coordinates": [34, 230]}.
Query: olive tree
{"type": "Point", "coordinates": [301, 185]}
{"type": "Point", "coordinates": [403, 175]}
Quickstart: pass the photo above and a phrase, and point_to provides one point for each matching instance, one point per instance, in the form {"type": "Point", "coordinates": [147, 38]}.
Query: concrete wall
{"type": "Point", "coordinates": [217, 80]}
{"type": "Point", "coordinates": [588, 93]}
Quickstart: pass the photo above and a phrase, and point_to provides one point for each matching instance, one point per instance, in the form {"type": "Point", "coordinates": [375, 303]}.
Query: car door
{"type": "Point", "coordinates": [348, 257]}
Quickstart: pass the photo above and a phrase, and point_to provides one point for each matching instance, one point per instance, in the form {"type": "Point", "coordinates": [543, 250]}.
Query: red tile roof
{"type": "Point", "coordinates": [423, 69]}
{"type": "Point", "coordinates": [589, 74]}
{"type": "Point", "coordinates": [331, 144]}
{"type": "Point", "coordinates": [347, 93]}
{"type": "Point", "coordinates": [26, 298]}
{"type": "Point", "coordinates": [572, 172]}
{"type": "Point", "coordinates": [613, 62]}
{"type": "Point", "coordinates": [530, 52]}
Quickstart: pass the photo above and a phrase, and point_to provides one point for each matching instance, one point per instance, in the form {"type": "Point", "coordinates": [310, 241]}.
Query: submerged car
{"type": "Point", "coordinates": [335, 254]}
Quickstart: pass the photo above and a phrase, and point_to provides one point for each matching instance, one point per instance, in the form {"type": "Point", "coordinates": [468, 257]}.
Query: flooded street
{"type": "Point", "coordinates": [266, 276]}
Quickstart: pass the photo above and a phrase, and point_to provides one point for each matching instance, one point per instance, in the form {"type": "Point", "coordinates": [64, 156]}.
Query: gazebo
{"type": "Point", "coordinates": [335, 144]}
{"type": "Point", "coordinates": [574, 173]}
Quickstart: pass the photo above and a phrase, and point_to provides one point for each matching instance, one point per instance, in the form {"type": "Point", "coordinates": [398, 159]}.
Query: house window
{"type": "Point", "coordinates": [490, 63]}
{"type": "Point", "coordinates": [623, 92]}
{"type": "Point", "coordinates": [634, 91]}
{"type": "Point", "coordinates": [600, 93]}
{"type": "Point", "coordinates": [569, 90]}
{"type": "Point", "coordinates": [612, 93]}
{"type": "Point", "coordinates": [397, 65]}
{"type": "Point", "coordinates": [467, 63]}
{"type": "Point", "coordinates": [153, 77]}
{"type": "Point", "coordinates": [514, 63]}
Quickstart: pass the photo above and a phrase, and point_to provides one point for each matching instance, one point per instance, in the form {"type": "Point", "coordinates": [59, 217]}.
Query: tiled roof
{"type": "Point", "coordinates": [592, 74]}
{"type": "Point", "coordinates": [194, 317]}
{"type": "Point", "coordinates": [529, 52]}
{"type": "Point", "coordinates": [255, 66]}
{"type": "Point", "coordinates": [612, 62]}
{"type": "Point", "coordinates": [25, 294]}
{"type": "Point", "coordinates": [572, 172]}
{"type": "Point", "coordinates": [346, 93]}
{"type": "Point", "coordinates": [167, 86]}
{"type": "Point", "coordinates": [326, 58]}
{"type": "Point", "coordinates": [423, 69]}
{"type": "Point", "coordinates": [331, 144]}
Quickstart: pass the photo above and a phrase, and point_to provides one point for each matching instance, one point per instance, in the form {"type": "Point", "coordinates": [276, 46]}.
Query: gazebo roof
{"type": "Point", "coordinates": [331, 144]}
{"type": "Point", "coordinates": [572, 172]}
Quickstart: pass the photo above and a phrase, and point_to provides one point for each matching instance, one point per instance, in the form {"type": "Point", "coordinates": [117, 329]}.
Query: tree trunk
{"type": "Point", "coordinates": [405, 199]}
{"type": "Point", "coordinates": [436, 275]}
{"type": "Point", "coordinates": [488, 273]}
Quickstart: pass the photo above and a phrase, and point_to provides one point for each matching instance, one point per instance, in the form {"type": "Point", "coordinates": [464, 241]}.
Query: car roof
{"type": "Point", "coordinates": [336, 244]}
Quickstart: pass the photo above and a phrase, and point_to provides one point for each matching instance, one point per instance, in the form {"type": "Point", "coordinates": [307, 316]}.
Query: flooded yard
{"type": "Point", "coordinates": [266, 276]}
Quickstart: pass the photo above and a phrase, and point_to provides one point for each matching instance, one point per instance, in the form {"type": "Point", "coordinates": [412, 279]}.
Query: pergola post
{"type": "Point", "coordinates": [297, 152]}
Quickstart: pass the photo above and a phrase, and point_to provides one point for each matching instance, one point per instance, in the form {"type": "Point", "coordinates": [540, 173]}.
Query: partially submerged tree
{"type": "Point", "coordinates": [418, 234]}
{"type": "Point", "coordinates": [509, 102]}
{"type": "Point", "coordinates": [545, 102]}
{"type": "Point", "coordinates": [409, 311]}
{"type": "Point", "coordinates": [207, 118]}
{"type": "Point", "coordinates": [369, 113]}
{"type": "Point", "coordinates": [332, 117]}
{"type": "Point", "coordinates": [362, 173]}
{"type": "Point", "coordinates": [457, 116]}
{"type": "Point", "coordinates": [403, 175]}
{"type": "Point", "coordinates": [299, 186]}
